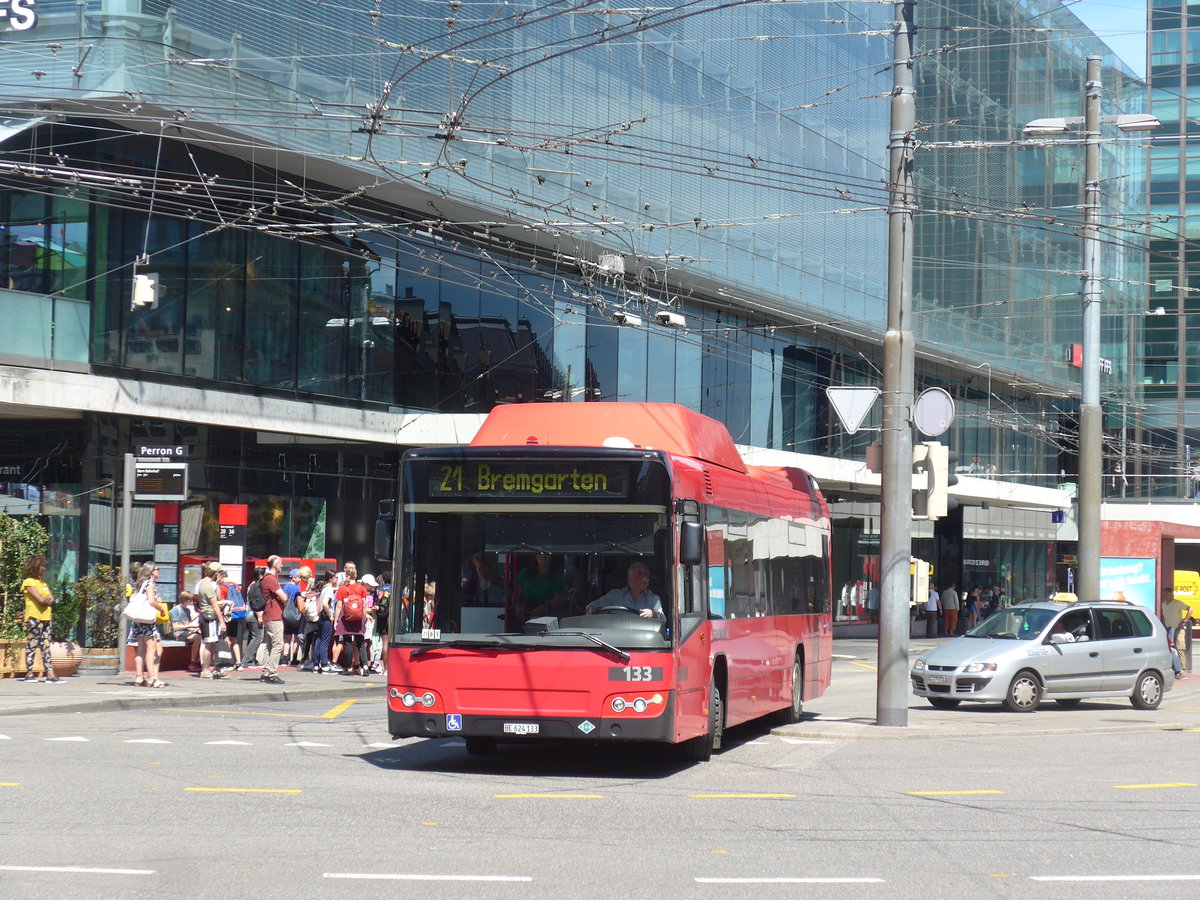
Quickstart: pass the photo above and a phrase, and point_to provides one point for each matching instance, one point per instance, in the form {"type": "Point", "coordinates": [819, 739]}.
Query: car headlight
{"type": "Point", "coordinates": [972, 668]}
{"type": "Point", "coordinates": [919, 665]}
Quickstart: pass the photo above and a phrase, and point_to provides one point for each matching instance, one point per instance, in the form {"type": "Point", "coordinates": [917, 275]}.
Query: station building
{"type": "Point", "coordinates": [297, 239]}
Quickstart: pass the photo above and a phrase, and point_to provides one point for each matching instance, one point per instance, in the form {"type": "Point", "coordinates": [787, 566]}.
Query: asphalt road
{"type": "Point", "coordinates": [277, 800]}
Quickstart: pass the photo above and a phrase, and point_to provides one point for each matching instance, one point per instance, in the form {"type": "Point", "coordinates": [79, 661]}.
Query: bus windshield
{"type": "Point", "coordinates": [529, 571]}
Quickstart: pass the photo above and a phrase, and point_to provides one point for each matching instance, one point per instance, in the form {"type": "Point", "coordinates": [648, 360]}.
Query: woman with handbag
{"type": "Point", "coordinates": [38, 603]}
{"type": "Point", "coordinates": [149, 645]}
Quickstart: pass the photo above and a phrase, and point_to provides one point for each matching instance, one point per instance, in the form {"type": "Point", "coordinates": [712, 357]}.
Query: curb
{"type": "Point", "coordinates": [872, 732]}
{"type": "Point", "coordinates": [166, 699]}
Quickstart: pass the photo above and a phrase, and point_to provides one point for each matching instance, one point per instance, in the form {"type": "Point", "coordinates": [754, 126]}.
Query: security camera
{"type": "Point", "coordinates": [670, 319]}
{"type": "Point", "coordinates": [629, 320]}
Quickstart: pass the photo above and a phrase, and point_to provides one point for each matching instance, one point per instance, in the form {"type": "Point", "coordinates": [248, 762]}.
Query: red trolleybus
{"type": "Point", "coordinates": [511, 556]}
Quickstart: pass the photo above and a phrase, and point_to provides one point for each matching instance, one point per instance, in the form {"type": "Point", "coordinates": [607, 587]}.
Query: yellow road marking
{"type": "Point", "coordinates": [206, 790]}
{"type": "Point", "coordinates": [1165, 784]}
{"type": "Point", "coordinates": [339, 709]}
{"type": "Point", "coordinates": [547, 796]}
{"type": "Point", "coordinates": [742, 796]}
{"type": "Point", "coordinates": [10, 784]}
{"type": "Point", "coordinates": [864, 666]}
{"type": "Point", "coordinates": [947, 793]}
{"type": "Point", "coordinates": [332, 714]}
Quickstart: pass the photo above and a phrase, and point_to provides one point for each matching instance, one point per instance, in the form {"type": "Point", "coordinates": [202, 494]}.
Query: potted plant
{"type": "Point", "coordinates": [65, 653]}
{"type": "Point", "coordinates": [99, 595]}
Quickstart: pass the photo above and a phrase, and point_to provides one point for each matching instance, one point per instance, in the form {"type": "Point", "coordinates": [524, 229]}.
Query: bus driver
{"type": "Point", "coordinates": [635, 597]}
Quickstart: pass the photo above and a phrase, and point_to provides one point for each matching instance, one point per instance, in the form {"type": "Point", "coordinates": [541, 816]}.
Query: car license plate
{"type": "Point", "coordinates": [936, 679]}
{"type": "Point", "coordinates": [520, 728]}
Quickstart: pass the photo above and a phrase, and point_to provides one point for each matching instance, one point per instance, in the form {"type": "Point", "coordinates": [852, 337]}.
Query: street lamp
{"type": "Point", "coordinates": [1090, 431]}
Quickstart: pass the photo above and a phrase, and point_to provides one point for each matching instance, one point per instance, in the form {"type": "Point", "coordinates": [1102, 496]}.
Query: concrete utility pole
{"type": "Point", "coordinates": [1087, 585]}
{"type": "Point", "coordinates": [895, 524]}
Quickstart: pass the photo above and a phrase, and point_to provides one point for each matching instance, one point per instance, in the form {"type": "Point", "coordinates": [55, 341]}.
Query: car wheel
{"type": "Point", "coordinates": [1148, 692]}
{"type": "Point", "coordinates": [1024, 693]}
{"type": "Point", "coordinates": [1069, 701]}
{"type": "Point", "coordinates": [943, 702]}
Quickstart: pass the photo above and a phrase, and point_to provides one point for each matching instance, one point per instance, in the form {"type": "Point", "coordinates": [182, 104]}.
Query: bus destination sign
{"type": "Point", "coordinates": [479, 479]}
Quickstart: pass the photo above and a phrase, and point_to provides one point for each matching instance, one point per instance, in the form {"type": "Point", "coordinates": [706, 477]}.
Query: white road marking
{"type": "Point", "coordinates": [788, 740]}
{"type": "Point", "coordinates": [382, 745]}
{"type": "Point", "coordinates": [77, 869]}
{"type": "Point", "coordinates": [367, 876]}
{"type": "Point", "coordinates": [227, 744]}
{"type": "Point", "coordinates": [73, 738]}
{"type": "Point", "coordinates": [306, 744]}
{"type": "Point", "coordinates": [146, 741]}
{"type": "Point", "coordinates": [5, 737]}
{"type": "Point", "coordinates": [812, 880]}
{"type": "Point", "coordinates": [1114, 877]}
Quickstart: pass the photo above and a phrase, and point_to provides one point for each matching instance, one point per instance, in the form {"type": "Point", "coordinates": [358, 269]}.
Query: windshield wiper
{"type": "Point", "coordinates": [441, 645]}
{"type": "Point", "coordinates": [617, 651]}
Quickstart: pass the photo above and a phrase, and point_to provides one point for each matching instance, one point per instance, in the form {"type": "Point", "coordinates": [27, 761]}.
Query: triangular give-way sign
{"type": "Point", "coordinates": [852, 404]}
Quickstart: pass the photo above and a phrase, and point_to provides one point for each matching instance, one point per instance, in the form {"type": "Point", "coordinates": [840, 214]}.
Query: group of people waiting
{"type": "Point", "coordinates": [331, 622]}
{"type": "Point", "coordinates": [950, 613]}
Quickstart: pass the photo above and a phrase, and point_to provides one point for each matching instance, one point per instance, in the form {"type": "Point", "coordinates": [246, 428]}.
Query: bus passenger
{"type": "Point", "coordinates": [636, 596]}
{"type": "Point", "coordinates": [539, 588]}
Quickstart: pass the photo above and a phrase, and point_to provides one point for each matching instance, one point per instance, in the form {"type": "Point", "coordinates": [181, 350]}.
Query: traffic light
{"type": "Point", "coordinates": [937, 461]}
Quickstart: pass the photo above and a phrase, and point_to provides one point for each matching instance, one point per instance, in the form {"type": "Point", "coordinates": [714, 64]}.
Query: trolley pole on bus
{"type": "Point", "coordinates": [895, 525]}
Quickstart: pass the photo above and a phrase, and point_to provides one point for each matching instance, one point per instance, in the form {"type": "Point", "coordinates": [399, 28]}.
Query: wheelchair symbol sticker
{"type": "Point", "coordinates": [454, 722]}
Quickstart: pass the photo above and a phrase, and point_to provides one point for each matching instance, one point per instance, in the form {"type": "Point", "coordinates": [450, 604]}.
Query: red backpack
{"type": "Point", "coordinates": [352, 608]}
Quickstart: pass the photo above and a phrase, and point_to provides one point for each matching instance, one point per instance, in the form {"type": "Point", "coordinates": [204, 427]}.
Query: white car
{"type": "Point", "coordinates": [1060, 651]}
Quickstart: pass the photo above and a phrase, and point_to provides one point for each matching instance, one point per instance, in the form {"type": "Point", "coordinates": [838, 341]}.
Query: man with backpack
{"type": "Point", "coordinates": [273, 620]}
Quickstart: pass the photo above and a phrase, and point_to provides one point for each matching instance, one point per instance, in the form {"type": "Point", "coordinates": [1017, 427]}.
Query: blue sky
{"type": "Point", "coordinates": [1120, 23]}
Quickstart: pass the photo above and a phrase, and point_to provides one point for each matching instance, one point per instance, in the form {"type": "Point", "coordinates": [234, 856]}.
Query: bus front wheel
{"type": "Point", "coordinates": [701, 749]}
{"type": "Point", "coordinates": [795, 712]}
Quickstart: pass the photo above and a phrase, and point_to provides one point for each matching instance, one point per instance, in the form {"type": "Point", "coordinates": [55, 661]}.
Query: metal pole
{"type": "Point", "coordinates": [1090, 451]}
{"type": "Point", "coordinates": [895, 524]}
{"type": "Point", "coordinates": [126, 526]}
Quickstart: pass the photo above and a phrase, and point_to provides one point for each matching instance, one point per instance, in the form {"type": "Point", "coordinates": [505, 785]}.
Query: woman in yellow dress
{"type": "Point", "coordinates": [38, 604]}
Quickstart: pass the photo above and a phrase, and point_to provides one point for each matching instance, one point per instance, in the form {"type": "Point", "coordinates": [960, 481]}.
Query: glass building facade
{"type": "Point", "coordinates": [440, 207]}
{"type": "Point", "coordinates": [1168, 431]}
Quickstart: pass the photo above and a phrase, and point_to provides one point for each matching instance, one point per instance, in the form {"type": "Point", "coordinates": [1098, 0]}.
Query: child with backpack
{"type": "Point", "coordinates": [234, 608]}
{"type": "Point", "coordinates": [351, 623]}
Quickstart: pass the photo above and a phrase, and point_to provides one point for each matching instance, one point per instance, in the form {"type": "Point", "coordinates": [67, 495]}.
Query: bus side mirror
{"type": "Point", "coordinates": [385, 531]}
{"type": "Point", "coordinates": [691, 543]}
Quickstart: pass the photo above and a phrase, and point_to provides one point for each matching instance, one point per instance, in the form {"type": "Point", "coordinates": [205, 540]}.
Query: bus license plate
{"type": "Point", "coordinates": [520, 728]}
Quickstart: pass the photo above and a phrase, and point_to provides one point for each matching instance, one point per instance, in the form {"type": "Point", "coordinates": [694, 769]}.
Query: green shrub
{"type": "Point", "coordinates": [20, 538]}
{"type": "Point", "coordinates": [99, 595]}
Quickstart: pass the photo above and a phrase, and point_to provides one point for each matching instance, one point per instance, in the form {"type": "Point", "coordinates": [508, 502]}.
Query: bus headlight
{"type": "Point", "coordinates": [408, 698]}
{"type": "Point", "coordinates": [636, 704]}
{"type": "Point", "coordinates": [427, 699]}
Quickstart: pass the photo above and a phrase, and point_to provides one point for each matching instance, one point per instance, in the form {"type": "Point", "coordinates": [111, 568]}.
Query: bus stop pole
{"type": "Point", "coordinates": [895, 522]}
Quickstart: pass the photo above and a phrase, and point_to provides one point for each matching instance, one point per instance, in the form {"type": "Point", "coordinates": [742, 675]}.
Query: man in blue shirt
{"type": "Point", "coordinates": [635, 597]}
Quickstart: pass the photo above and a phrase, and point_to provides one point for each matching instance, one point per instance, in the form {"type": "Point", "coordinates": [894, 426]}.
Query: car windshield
{"type": "Point", "coordinates": [1017, 623]}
